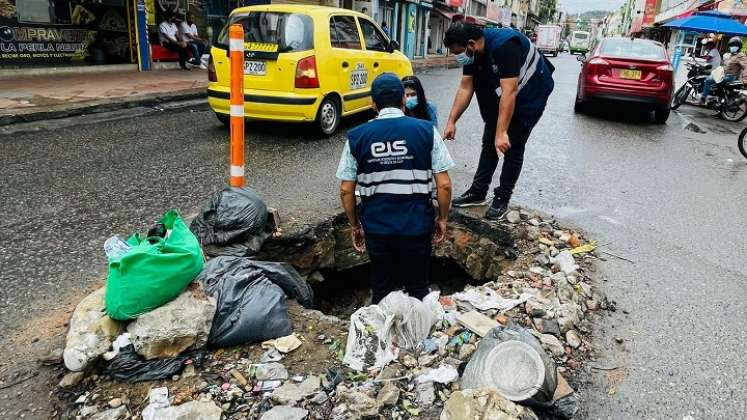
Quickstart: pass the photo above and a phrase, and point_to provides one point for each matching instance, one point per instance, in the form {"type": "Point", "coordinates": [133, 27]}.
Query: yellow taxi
{"type": "Point", "coordinates": [304, 64]}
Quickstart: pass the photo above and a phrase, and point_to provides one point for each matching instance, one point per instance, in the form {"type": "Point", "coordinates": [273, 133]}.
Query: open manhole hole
{"type": "Point", "coordinates": [474, 253]}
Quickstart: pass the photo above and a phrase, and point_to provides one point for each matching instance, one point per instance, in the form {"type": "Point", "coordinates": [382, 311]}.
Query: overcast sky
{"type": "Point", "coordinates": [577, 6]}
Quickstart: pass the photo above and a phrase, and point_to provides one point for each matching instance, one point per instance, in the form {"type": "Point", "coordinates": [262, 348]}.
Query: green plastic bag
{"type": "Point", "coordinates": [154, 271]}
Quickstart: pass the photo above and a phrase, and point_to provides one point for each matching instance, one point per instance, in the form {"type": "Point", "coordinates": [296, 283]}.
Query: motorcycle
{"type": "Point", "coordinates": [730, 103]}
{"type": "Point", "coordinates": [742, 142]}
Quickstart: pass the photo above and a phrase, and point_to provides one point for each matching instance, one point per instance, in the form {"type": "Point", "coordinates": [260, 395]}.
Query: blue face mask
{"type": "Point", "coordinates": [411, 102]}
{"type": "Point", "coordinates": [463, 59]}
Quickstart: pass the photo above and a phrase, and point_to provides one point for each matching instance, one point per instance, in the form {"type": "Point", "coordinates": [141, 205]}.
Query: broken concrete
{"type": "Point", "coordinates": [91, 332]}
{"type": "Point", "coordinates": [182, 324]}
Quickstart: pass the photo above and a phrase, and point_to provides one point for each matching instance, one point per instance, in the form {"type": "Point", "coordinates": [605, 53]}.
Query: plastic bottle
{"type": "Point", "coordinates": [116, 248]}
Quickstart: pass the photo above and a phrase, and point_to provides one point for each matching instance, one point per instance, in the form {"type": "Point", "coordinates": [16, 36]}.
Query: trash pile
{"type": "Point", "coordinates": [236, 338]}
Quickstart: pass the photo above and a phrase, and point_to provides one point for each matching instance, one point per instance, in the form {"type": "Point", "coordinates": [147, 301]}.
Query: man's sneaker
{"type": "Point", "coordinates": [469, 199]}
{"type": "Point", "coordinates": [497, 210]}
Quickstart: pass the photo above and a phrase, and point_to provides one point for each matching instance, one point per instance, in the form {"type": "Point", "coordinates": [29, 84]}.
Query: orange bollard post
{"type": "Point", "coordinates": [236, 42]}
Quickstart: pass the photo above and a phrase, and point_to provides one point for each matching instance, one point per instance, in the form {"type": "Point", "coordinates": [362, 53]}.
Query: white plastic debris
{"type": "Point", "coordinates": [283, 344]}
{"type": "Point", "coordinates": [119, 343]}
{"type": "Point", "coordinates": [409, 320]}
{"type": "Point", "coordinates": [444, 374]}
{"type": "Point", "coordinates": [368, 346]}
{"type": "Point", "coordinates": [158, 400]}
{"type": "Point", "coordinates": [565, 261]}
{"type": "Point", "coordinates": [398, 321]}
{"type": "Point", "coordinates": [485, 298]}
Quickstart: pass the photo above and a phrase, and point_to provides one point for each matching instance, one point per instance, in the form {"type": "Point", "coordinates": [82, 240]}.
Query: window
{"type": "Point", "coordinates": [343, 33]}
{"type": "Point", "coordinates": [290, 31]}
{"type": "Point", "coordinates": [632, 48]}
{"type": "Point", "coordinates": [373, 38]}
{"type": "Point", "coordinates": [34, 11]}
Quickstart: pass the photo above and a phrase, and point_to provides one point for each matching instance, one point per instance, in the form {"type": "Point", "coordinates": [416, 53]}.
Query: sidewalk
{"type": "Point", "coordinates": [434, 61]}
{"type": "Point", "coordinates": [41, 97]}
{"type": "Point", "coordinates": [32, 98]}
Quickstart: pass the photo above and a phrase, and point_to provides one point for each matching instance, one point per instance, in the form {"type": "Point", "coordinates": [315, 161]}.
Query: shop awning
{"type": "Point", "coordinates": [445, 13]}
{"type": "Point", "coordinates": [710, 21]}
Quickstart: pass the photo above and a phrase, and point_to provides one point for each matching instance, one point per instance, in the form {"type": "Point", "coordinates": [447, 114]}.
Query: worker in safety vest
{"type": "Point", "coordinates": [395, 162]}
{"type": "Point", "coordinates": [512, 81]}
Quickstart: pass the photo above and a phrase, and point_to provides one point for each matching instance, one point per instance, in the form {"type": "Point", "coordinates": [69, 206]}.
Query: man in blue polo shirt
{"type": "Point", "coordinates": [512, 81]}
{"type": "Point", "coordinates": [395, 162]}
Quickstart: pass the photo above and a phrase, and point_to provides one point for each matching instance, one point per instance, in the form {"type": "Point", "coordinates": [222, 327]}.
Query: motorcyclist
{"type": "Point", "coordinates": [735, 68]}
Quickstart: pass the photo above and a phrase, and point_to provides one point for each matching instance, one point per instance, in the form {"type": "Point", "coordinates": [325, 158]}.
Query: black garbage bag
{"type": "Point", "coordinates": [129, 366]}
{"type": "Point", "coordinates": [233, 223]}
{"type": "Point", "coordinates": [251, 299]}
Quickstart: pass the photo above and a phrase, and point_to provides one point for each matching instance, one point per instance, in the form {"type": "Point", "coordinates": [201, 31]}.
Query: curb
{"type": "Point", "coordinates": [95, 108]}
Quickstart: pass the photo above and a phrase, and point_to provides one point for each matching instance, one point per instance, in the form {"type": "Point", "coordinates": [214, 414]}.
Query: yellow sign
{"type": "Point", "coordinates": [150, 8]}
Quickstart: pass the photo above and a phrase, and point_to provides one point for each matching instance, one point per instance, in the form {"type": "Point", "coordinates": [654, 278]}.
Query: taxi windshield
{"type": "Point", "coordinates": [290, 31]}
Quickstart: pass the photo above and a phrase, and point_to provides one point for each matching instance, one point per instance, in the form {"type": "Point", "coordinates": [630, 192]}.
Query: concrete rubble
{"type": "Point", "coordinates": [182, 324]}
{"type": "Point", "coordinates": [540, 282]}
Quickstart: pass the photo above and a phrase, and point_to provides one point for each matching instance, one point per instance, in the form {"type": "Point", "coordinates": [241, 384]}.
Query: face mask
{"type": "Point", "coordinates": [463, 59]}
{"type": "Point", "coordinates": [734, 49]}
{"type": "Point", "coordinates": [411, 102]}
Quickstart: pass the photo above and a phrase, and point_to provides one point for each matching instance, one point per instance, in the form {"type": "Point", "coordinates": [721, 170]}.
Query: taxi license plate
{"type": "Point", "coordinates": [630, 74]}
{"type": "Point", "coordinates": [255, 68]}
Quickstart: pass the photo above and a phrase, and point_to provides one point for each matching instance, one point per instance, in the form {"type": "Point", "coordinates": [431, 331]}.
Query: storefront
{"type": "Point", "coordinates": [42, 33]}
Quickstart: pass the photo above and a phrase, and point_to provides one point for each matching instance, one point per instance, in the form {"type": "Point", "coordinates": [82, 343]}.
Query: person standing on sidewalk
{"type": "Point", "coordinates": [512, 81]}
{"type": "Point", "coordinates": [394, 161]}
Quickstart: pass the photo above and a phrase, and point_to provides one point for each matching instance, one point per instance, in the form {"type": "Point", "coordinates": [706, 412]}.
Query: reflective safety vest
{"type": "Point", "coordinates": [535, 77]}
{"type": "Point", "coordinates": [395, 177]}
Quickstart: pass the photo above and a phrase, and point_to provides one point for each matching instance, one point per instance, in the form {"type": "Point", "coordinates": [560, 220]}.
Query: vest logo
{"type": "Point", "coordinates": [389, 149]}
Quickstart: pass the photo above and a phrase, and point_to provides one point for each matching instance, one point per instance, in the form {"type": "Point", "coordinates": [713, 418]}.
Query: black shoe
{"type": "Point", "coordinates": [469, 199]}
{"type": "Point", "coordinates": [497, 210]}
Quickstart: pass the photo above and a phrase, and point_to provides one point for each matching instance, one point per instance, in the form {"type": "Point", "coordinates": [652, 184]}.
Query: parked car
{"type": "Point", "coordinates": [304, 64]}
{"type": "Point", "coordinates": [634, 71]}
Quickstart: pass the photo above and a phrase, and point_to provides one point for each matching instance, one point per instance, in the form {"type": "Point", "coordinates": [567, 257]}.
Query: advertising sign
{"type": "Point", "coordinates": [30, 36]}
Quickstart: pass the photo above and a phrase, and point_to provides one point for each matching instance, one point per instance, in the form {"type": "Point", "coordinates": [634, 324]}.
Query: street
{"type": "Point", "coordinates": [667, 198]}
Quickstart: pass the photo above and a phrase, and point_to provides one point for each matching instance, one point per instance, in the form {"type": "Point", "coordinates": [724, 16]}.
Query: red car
{"type": "Point", "coordinates": [636, 71]}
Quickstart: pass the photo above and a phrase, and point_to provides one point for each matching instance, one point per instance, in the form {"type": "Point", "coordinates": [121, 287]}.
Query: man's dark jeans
{"type": "Point", "coordinates": [398, 260]}
{"type": "Point", "coordinates": [513, 160]}
{"type": "Point", "coordinates": [177, 48]}
{"type": "Point", "coordinates": [198, 48]}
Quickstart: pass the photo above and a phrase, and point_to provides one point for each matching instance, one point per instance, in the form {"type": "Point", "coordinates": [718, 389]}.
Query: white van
{"type": "Point", "coordinates": [580, 42]}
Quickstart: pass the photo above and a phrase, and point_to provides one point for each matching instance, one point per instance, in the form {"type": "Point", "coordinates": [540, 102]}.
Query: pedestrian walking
{"type": "Point", "coordinates": [512, 81]}
{"type": "Point", "coordinates": [395, 161]}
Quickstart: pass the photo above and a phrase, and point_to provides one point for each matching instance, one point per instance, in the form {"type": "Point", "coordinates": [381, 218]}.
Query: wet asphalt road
{"type": "Point", "coordinates": [671, 200]}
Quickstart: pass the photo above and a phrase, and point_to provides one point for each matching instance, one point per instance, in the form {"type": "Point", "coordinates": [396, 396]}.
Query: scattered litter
{"type": "Point", "coordinates": [271, 355]}
{"type": "Point", "coordinates": [477, 322]}
{"type": "Point", "coordinates": [158, 399]}
{"type": "Point", "coordinates": [485, 298]}
{"type": "Point", "coordinates": [565, 261]}
{"type": "Point", "coordinates": [283, 344]}
{"type": "Point", "coordinates": [444, 374]}
{"type": "Point", "coordinates": [115, 248]}
{"type": "Point", "coordinates": [584, 248]}
{"type": "Point", "coordinates": [120, 342]}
